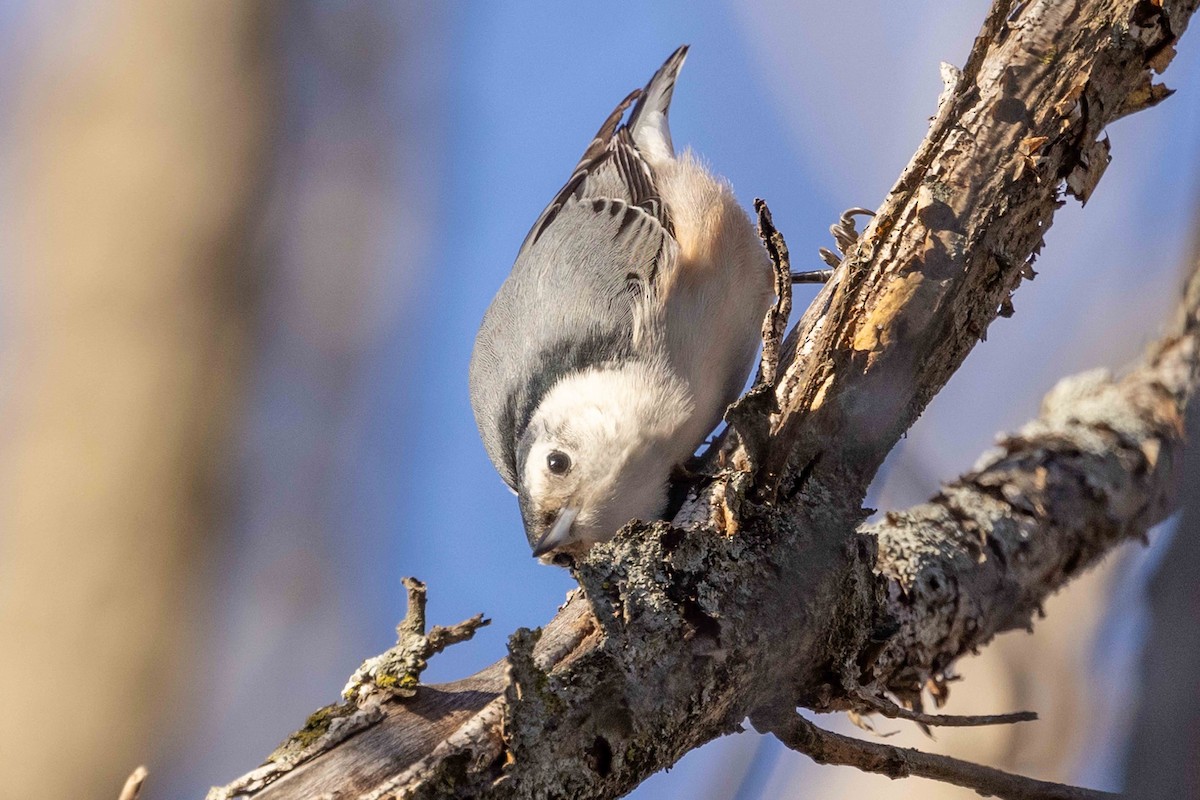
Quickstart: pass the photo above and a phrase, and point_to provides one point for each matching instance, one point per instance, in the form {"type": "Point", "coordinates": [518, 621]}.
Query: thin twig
{"type": "Point", "coordinates": [133, 784]}
{"type": "Point", "coordinates": [885, 707]}
{"type": "Point", "coordinates": [750, 417]}
{"type": "Point", "coordinates": [398, 671]}
{"type": "Point", "coordinates": [775, 323]}
{"type": "Point", "coordinates": [826, 747]}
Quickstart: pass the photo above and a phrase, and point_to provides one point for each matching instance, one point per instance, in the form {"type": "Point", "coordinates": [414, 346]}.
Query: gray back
{"type": "Point", "coordinates": [593, 255]}
{"type": "Point", "coordinates": [568, 304]}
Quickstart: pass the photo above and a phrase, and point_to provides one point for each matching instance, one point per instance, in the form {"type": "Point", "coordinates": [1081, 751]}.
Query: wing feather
{"type": "Point", "coordinates": [581, 291]}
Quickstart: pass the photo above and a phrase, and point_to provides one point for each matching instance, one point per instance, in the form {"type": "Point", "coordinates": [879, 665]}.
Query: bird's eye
{"type": "Point", "coordinates": [558, 462]}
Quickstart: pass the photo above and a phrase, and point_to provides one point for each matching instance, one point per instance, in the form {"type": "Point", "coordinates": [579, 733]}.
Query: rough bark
{"type": "Point", "coordinates": [764, 594]}
{"type": "Point", "coordinates": [1096, 468]}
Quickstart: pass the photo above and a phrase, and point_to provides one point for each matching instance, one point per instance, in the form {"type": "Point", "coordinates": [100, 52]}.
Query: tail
{"type": "Point", "coordinates": [648, 122]}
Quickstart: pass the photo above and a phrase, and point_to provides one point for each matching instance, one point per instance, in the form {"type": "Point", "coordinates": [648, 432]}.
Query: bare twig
{"type": "Point", "coordinates": [750, 417]}
{"type": "Point", "coordinates": [775, 323]}
{"type": "Point", "coordinates": [827, 747]}
{"type": "Point", "coordinates": [398, 671]}
{"type": "Point", "coordinates": [133, 784]}
{"type": "Point", "coordinates": [886, 708]}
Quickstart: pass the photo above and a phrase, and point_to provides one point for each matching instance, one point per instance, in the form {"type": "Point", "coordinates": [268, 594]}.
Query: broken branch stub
{"type": "Point", "coordinates": [397, 672]}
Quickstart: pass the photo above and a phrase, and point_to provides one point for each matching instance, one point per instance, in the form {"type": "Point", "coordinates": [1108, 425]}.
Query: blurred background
{"type": "Point", "coordinates": [245, 250]}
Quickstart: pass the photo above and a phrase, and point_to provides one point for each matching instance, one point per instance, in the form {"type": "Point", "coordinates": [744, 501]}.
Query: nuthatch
{"type": "Point", "coordinates": [629, 323]}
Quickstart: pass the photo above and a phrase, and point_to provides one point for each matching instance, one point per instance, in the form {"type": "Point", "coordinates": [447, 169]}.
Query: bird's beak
{"type": "Point", "coordinates": [559, 532]}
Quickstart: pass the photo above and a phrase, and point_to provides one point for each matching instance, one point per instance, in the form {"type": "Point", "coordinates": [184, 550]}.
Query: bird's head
{"type": "Point", "coordinates": [598, 453]}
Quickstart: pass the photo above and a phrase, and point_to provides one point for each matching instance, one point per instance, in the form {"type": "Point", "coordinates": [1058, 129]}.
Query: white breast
{"type": "Point", "coordinates": [718, 292]}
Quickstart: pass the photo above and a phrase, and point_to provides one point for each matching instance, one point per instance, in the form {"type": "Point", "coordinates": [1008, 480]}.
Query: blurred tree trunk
{"type": "Point", "coordinates": [142, 135]}
{"type": "Point", "coordinates": [1163, 760]}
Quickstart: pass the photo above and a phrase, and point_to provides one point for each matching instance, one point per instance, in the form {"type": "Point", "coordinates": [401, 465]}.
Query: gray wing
{"type": "Point", "coordinates": [615, 164]}
{"type": "Point", "coordinates": [594, 253]}
{"type": "Point", "coordinates": [568, 304]}
{"type": "Point", "coordinates": [615, 171]}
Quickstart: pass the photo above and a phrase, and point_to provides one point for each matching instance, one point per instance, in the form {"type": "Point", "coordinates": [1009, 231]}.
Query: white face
{"type": "Point", "coordinates": [603, 446]}
{"type": "Point", "coordinates": [578, 494]}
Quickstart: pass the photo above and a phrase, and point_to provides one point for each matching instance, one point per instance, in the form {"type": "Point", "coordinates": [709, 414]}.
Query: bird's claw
{"type": "Point", "coordinates": [845, 236]}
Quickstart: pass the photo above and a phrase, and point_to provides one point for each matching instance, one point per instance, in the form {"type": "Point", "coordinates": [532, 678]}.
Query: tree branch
{"type": "Point", "coordinates": [963, 224]}
{"type": "Point", "coordinates": [826, 747]}
{"type": "Point", "coordinates": [1099, 466]}
{"type": "Point", "coordinates": [886, 708]}
{"type": "Point", "coordinates": [763, 593]}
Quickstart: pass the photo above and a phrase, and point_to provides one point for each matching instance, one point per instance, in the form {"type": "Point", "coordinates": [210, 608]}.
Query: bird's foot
{"type": "Point", "coordinates": [845, 236]}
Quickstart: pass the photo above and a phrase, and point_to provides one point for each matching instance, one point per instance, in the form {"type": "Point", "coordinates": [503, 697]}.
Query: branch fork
{"type": "Point", "coordinates": [396, 672]}
{"type": "Point", "coordinates": [826, 747]}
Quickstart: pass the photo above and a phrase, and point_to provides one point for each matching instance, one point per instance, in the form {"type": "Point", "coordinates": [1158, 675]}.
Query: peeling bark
{"type": "Point", "coordinates": [766, 592]}
{"type": "Point", "coordinates": [1096, 468]}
